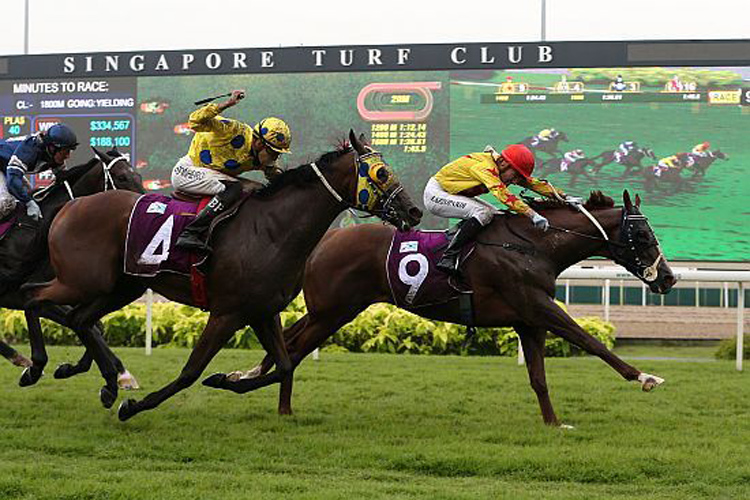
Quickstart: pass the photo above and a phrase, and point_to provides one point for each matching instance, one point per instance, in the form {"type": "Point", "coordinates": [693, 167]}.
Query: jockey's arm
{"type": "Point", "coordinates": [207, 119]}
{"type": "Point", "coordinates": [17, 185]}
{"type": "Point", "coordinates": [544, 188]}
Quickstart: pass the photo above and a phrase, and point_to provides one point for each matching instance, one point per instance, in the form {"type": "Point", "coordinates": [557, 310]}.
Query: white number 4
{"type": "Point", "coordinates": [161, 242]}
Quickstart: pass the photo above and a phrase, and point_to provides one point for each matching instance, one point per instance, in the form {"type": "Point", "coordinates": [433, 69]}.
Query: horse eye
{"type": "Point", "coordinates": [382, 174]}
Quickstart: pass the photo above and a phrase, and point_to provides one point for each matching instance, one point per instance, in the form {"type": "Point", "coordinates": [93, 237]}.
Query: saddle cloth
{"type": "Point", "coordinates": [11, 219]}
{"type": "Point", "coordinates": [411, 268]}
{"type": "Point", "coordinates": [155, 223]}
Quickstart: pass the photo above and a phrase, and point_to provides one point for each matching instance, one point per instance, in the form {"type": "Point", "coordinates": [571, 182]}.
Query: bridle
{"type": "Point", "coordinates": [388, 196]}
{"type": "Point", "coordinates": [624, 251]}
{"type": "Point", "coordinates": [108, 180]}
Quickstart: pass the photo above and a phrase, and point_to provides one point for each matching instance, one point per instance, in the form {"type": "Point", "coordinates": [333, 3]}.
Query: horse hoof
{"type": "Point", "coordinates": [565, 427]}
{"type": "Point", "coordinates": [65, 370]}
{"type": "Point", "coordinates": [235, 376]}
{"type": "Point", "coordinates": [30, 376]}
{"type": "Point", "coordinates": [649, 382]}
{"type": "Point", "coordinates": [127, 382]}
{"type": "Point", "coordinates": [19, 359]}
{"type": "Point", "coordinates": [127, 409]}
{"type": "Point", "coordinates": [107, 397]}
{"type": "Point", "coordinates": [216, 380]}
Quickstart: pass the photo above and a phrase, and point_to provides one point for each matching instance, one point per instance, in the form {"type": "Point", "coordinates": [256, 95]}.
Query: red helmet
{"type": "Point", "coordinates": [520, 158]}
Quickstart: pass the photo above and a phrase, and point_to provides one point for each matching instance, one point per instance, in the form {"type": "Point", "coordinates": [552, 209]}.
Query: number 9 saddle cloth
{"type": "Point", "coordinates": [413, 277]}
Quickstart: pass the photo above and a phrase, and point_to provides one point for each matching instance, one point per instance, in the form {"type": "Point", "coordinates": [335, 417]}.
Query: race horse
{"type": "Point", "coordinates": [255, 269]}
{"type": "Point", "coordinates": [574, 169]}
{"type": "Point", "coordinates": [699, 163]}
{"type": "Point", "coordinates": [551, 146]}
{"type": "Point", "coordinates": [511, 271]}
{"type": "Point", "coordinates": [24, 258]}
{"type": "Point", "coordinates": [630, 161]}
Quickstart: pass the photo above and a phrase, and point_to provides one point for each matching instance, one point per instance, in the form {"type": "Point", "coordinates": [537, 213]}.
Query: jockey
{"type": "Point", "coordinates": [626, 147]}
{"type": "Point", "coordinates": [451, 193]}
{"type": "Point", "coordinates": [221, 150]}
{"type": "Point", "coordinates": [543, 136]}
{"type": "Point", "coordinates": [702, 148]}
{"type": "Point", "coordinates": [36, 153]}
{"type": "Point", "coordinates": [665, 164]}
{"type": "Point", "coordinates": [571, 157]}
{"type": "Point", "coordinates": [619, 84]}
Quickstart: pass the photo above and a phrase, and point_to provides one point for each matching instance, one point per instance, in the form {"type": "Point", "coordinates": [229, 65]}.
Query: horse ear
{"type": "Point", "coordinates": [356, 144]}
{"type": "Point", "coordinates": [626, 200]}
{"type": "Point", "coordinates": [637, 201]}
{"type": "Point", "coordinates": [98, 154]}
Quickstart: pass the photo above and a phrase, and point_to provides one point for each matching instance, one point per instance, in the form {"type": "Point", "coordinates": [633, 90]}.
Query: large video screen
{"type": "Point", "coordinates": [676, 136]}
{"type": "Point", "coordinates": [673, 135]}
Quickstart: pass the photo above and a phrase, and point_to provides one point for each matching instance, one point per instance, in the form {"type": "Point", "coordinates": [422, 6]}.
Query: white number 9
{"type": "Point", "coordinates": [414, 281]}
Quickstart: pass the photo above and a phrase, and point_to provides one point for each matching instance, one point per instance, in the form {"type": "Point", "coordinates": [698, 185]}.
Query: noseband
{"type": "Point", "coordinates": [623, 251]}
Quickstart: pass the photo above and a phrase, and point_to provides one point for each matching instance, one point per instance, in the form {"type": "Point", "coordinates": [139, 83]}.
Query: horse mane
{"type": "Point", "coordinates": [302, 174]}
{"type": "Point", "coordinates": [596, 200]}
{"type": "Point", "coordinates": [72, 175]}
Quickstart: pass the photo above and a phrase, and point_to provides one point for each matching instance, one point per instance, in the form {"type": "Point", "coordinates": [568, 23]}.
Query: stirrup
{"type": "Point", "coordinates": [448, 265]}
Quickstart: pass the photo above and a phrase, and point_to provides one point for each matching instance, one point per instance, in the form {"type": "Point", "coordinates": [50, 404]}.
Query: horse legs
{"type": "Point", "coordinates": [216, 333]}
{"type": "Point", "coordinates": [533, 340]}
{"type": "Point", "coordinates": [59, 314]}
{"type": "Point", "coordinates": [269, 335]}
{"type": "Point", "coordinates": [553, 318]}
{"type": "Point", "coordinates": [33, 373]}
{"type": "Point", "coordinates": [82, 320]}
{"type": "Point", "coordinates": [13, 356]}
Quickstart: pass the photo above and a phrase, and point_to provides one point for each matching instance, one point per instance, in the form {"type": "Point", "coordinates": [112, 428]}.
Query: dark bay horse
{"type": "Point", "coordinates": [256, 267]}
{"type": "Point", "coordinates": [698, 164]}
{"type": "Point", "coordinates": [512, 273]}
{"type": "Point", "coordinates": [574, 169]}
{"type": "Point", "coordinates": [24, 256]}
{"type": "Point", "coordinates": [551, 146]}
{"type": "Point", "coordinates": [630, 161]}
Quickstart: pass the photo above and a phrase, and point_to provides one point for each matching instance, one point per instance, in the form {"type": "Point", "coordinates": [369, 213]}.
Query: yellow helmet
{"type": "Point", "coordinates": [274, 133]}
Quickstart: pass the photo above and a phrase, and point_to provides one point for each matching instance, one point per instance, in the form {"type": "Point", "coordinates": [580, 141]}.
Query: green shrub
{"type": "Point", "coordinates": [728, 348]}
{"type": "Point", "coordinates": [380, 328]}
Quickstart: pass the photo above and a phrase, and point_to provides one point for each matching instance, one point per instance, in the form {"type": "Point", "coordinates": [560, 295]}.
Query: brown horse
{"type": "Point", "coordinates": [257, 264]}
{"type": "Point", "coordinates": [512, 272]}
{"type": "Point", "coordinates": [23, 253]}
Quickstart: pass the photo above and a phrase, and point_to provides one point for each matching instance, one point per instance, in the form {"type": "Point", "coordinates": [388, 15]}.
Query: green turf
{"type": "Point", "coordinates": [383, 426]}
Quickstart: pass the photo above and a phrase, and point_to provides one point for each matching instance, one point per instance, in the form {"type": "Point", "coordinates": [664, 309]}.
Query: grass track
{"type": "Point", "coordinates": [381, 426]}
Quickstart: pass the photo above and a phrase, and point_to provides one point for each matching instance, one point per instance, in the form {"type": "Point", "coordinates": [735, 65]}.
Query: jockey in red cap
{"type": "Point", "coordinates": [451, 193]}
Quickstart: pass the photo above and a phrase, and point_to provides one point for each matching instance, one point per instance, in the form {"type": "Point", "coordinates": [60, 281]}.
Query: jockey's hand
{"type": "Point", "coordinates": [573, 200]}
{"type": "Point", "coordinates": [33, 210]}
{"type": "Point", "coordinates": [540, 222]}
{"type": "Point", "coordinates": [237, 95]}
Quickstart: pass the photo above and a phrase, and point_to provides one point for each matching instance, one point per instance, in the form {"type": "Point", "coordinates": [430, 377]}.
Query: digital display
{"type": "Point", "coordinates": [100, 111]}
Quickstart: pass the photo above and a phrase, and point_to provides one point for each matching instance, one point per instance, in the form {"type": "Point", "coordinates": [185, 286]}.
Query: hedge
{"type": "Point", "coordinates": [380, 328]}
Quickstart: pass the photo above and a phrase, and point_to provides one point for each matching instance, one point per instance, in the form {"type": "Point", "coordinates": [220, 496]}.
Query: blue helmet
{"type": "Point", "coordinates": [61, 136]}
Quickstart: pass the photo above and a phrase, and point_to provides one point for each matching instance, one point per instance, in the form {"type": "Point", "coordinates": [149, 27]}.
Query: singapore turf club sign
{"type": "Point", "coordinates": [470, 56]}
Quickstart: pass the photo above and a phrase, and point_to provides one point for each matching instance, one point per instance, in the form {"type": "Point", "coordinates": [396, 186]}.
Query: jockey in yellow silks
{"type": "Point", "coordinates": [702, 148]}
{"type": "Point", "coordinates": [451, 193]}
{"type": "Point", "coordinates": [222, 149]}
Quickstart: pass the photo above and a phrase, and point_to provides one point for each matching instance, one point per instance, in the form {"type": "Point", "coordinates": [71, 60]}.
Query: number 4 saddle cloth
{"type": "Point", "coordinates": [155, 223]}
{"type": "Point", "coordinates": [411, 266]}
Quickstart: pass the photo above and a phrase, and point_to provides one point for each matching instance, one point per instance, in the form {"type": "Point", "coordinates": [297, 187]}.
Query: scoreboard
{"type": "Point", "coordinates": [100, 111]}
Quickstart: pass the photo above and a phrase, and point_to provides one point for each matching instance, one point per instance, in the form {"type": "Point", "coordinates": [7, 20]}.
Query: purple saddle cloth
{"type": "Point", "coordinates": [155, 223]}
{"type": "Point", "coordinates": [11, 219]}
{"type": "Point", "coordinates": [414, 279]}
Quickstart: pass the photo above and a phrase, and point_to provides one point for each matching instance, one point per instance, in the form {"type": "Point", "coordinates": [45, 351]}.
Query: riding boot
{"type": "Point", "coordinates": [467, 230]}
{"type": "Point", "coordinates": [194, 234]}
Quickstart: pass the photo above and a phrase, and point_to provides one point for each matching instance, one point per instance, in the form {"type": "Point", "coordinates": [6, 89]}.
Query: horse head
{"type": "Point", "coordinates": [637, 249]}
{"type": "Point", "coordinates": [719, 154]}
{"type": "Point", "coordinates": [378, 190]}
{"type": "Point", "coordinates": [117, 172]}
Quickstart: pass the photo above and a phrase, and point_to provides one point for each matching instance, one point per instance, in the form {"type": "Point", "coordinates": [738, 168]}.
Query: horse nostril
{"type": "Point", "coordinates": [415, 214]}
